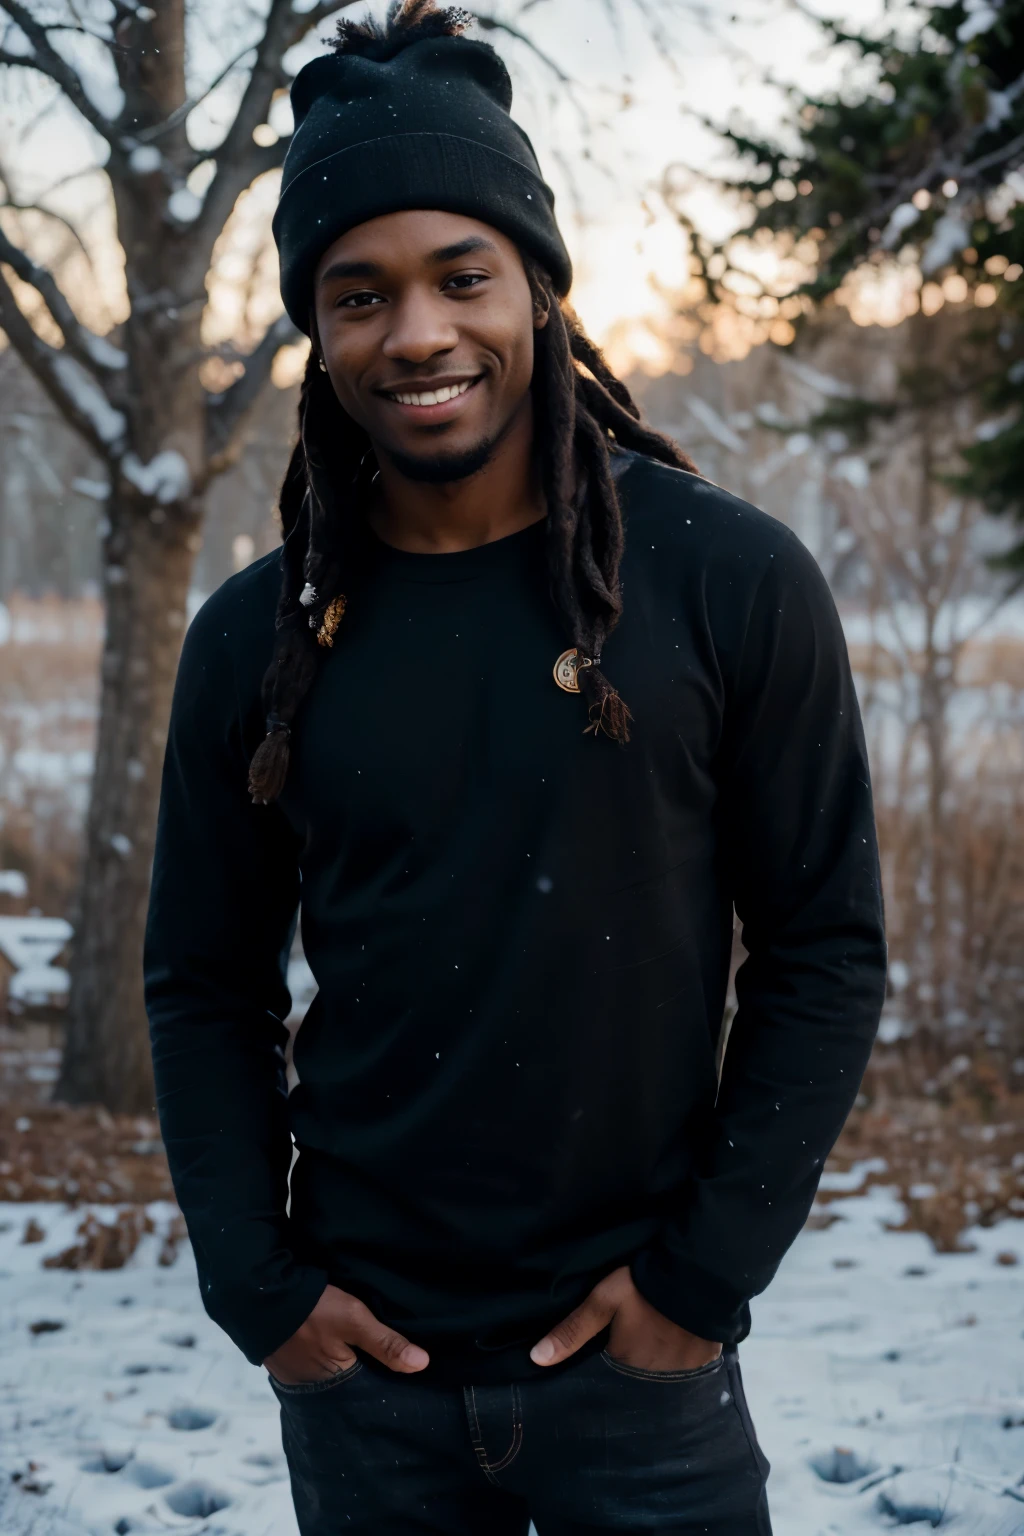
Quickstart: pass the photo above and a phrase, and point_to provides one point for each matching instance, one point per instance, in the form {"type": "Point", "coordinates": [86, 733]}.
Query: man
{"type": "Point", "coordinates": [519, 712]}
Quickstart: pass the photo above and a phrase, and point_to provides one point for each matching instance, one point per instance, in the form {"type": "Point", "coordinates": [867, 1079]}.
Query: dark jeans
{"type": "Point", "coordinates": [597, 1446]}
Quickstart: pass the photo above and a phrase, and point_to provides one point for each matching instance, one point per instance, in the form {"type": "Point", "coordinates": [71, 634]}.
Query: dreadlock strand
{"type": "Point", "coordinates": [556, 416]}
{"type": "Point", "coordinates": [295, 660]}
{"type": "Point", "coordinates": [590, 355]}
{"type": "Point", "coordinates": [607, 712]}
{"type": "Point", "coordinates": [593, 449]}
{"type": "Point", "coordinates": [269, 766]}
{"type": "Point", "coordinates": [582, 503]}
{"type": "Point", "coordinates": [323, 433]}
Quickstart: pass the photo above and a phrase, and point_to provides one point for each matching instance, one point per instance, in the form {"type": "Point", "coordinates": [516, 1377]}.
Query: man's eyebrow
{"type": "Point", "coordinates": [350, 269]}
{"type": "Point", "coordinates": [342, 269]}
{"type": "Point", "coordinates": [462, 248]}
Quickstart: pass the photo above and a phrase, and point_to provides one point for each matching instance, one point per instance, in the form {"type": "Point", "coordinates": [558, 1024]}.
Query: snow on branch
{"type": "Point", "coordinates": [95, 352]}
{"type": "Point", "coordinates": [44, 58]}
{"type": "Point", "coordinates": [108, 423]}
{"type": "Point", "coordinates": [166, 477]}
{"type": "Point", "coordinates": [78, 396]}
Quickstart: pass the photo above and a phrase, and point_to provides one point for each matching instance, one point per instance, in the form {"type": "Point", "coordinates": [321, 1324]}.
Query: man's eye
{"type": "Point", "coordinates": [466, 279]}
{"type": "Point", "coordinates": [359, 300]}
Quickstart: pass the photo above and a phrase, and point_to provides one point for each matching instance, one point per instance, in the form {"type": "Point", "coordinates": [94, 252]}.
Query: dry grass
{"type": "Point", "coordinates": [80, 1155]}
{"type": "Point", "coordinates": [49, 671]}
{"type": "Point", "coordinates": [955, 923]}
{"type": "Point", "coordinates": [950, 1130]}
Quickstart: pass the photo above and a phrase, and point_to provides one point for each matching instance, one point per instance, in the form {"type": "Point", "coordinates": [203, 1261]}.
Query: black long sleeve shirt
{"type": "Point", "coordinates": [521, 938]}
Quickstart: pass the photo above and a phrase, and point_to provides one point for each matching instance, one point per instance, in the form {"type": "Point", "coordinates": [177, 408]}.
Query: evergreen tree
{"type": "Point", "coordinates": [920, 164]}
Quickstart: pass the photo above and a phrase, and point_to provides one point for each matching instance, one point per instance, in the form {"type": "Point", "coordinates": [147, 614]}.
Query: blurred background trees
{"type": "Point", "coordinates": [902, 193]}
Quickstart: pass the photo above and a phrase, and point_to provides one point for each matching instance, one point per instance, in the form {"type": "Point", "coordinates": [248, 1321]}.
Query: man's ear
{"type": "Point", "coordinates": [541, 314]}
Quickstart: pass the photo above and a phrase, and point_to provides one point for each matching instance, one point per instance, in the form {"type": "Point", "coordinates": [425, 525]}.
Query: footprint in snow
{"type": "Point", "coordinates": [938, 1497]}
{"type": "Point", "coordinates": [107, 1461]}
{"type": "Point", "coordinates": [146, 1474]}
{"type": "Point", "coordinates": [839, 1464]}
{"type": "Point", "coordinates": [196, 1499]}
{"type": "Point", "coordinates": [191, 1418]}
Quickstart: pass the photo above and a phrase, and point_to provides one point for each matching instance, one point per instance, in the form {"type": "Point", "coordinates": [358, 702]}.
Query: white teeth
{"type": "Point", "coordinates": [435, 396]}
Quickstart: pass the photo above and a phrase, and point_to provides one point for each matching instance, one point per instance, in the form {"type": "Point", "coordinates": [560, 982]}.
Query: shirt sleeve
{"type": "Point", "coordinates": [798, 835]}
{"type": "Point", "coordinates": [221, 918]}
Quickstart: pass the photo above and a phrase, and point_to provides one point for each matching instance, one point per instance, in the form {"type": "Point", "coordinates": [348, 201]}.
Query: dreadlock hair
{"type": "Point", "coordinates": [407, 21]}
{"type": "Point", "coordinates": [582, 413]}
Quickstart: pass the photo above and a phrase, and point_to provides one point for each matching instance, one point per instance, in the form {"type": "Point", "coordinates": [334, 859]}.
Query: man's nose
{"type": "Point", "coordinates": [419, 330]}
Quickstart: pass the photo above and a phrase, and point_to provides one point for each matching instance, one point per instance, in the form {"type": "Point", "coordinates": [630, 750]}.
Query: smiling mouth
{"type": "Point", "coordinates": [432, 396]}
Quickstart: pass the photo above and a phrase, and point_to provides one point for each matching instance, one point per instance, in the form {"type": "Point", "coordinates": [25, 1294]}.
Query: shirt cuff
{"type": "Point", "coordinates": [690, 1296]}
{"type": "Point", "coordinates": [258, 1324]}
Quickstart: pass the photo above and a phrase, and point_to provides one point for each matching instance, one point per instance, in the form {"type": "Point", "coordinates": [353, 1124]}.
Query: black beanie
{"type": "Point", "coordinates": [427, 128]}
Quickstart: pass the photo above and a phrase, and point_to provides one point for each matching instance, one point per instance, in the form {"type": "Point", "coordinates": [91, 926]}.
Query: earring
{"type": "Point", "coordinates": [323, 365]}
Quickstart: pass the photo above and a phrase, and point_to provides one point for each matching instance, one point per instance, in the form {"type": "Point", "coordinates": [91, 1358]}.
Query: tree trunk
{"type": "Point", "coordinates": [150, 553]}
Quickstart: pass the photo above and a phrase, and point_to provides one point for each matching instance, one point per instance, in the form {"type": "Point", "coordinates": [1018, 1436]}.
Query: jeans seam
{"type": "Point", "coordinates": [739, 1402]}
{"type": "Point", "coordinates": [479, 1449]}
{"type": "Point", "coordinates": [489, 1468]}
{"type": "Point", "coordinates": [643, 1375]}
{"type": "Point", "coordinates": [517, 1435]}
{"type": "Point", "coordinates": [311, 1388]}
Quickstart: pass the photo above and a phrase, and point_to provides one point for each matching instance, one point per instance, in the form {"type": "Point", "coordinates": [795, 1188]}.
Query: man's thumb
{"type": "Point", "coordinates": [384, 1344]}
{"type": "Point", "coordinates": [589, 1318]}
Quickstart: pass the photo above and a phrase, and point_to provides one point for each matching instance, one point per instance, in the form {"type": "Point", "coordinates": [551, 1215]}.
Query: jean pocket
{"type": "Point", "coordinates": [312, 1388]}
{"type": "Point", "coordinates": [698, 1372]}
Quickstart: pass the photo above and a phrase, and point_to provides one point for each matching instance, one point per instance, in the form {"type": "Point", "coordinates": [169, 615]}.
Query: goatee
{"type": "Point", "coordinates": [442, 468]}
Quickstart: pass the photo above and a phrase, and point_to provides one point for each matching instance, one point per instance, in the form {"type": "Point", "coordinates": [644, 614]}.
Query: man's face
{"type": "Point", "coordinates": [425, 323]}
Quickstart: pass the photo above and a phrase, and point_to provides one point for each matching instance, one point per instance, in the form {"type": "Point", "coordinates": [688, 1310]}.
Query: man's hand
{"type": "Point", "coordinates": [639, 1336]}
{"type": "Point", "coordinates": [322, 1345]}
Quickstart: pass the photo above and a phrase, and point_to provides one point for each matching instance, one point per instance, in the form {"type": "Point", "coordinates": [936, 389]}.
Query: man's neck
{"type": "Point", "coordinates": [502, 498]}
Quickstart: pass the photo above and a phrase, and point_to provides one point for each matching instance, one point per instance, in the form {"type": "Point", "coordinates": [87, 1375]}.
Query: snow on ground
{"type": "Point", "coordinates": [886, 1381]}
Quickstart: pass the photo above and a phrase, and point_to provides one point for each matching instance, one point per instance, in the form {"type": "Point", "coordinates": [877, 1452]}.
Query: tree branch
{"type": "Point", "coordinates": [47, 61]}
{"type": "Point", "coordinates": [226, 412]}
{"type": "Point", "coordinates": [77, 396]}
{"type": "Point", "coordinates": [147, 135]}
{"type": "Point", "coordinates": [308, 21]}
{"type": "Point", "coordinates": [94, 352]}
{"type": "Point", "coordinates": [238, 159]}
{"type": "Point", "coordinates": [492, 24]}
{"type": "Point", "coordinates": [16, 206]}
{"type": "Point", "coordinates": [997, 157]}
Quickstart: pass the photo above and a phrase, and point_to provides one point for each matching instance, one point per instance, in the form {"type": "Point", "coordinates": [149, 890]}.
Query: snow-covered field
{"type": "Point", "coordinates": [887, 1384]}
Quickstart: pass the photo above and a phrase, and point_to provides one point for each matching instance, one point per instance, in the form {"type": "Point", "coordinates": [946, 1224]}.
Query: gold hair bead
{"type": "Point", "coordinates": [566, 668]}
{"type": "Point", "coordinates": [331, 620]}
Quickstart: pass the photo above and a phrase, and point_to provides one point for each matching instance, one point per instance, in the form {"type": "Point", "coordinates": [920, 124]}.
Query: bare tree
{"type": "Point", "coordinates": [946, 754]}
{"type": "Point", "coordinates": [142, 408]}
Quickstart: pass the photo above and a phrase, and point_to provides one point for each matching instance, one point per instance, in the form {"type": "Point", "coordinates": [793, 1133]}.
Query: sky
{"type": "Point", "coordinates": [633, 107]}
